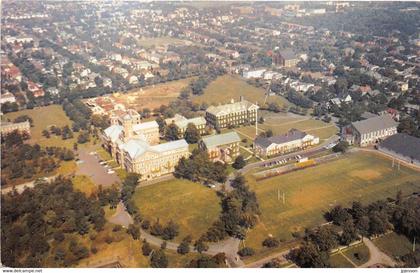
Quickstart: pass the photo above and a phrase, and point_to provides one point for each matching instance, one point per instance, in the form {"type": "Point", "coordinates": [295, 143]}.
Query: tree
{"type": "Point", "coordinates": [271, 242]}
{"type": "Point", "coordinates": [159, 259]}
{"type": "Point", "coordinates": [200, 246]}
{"type": "Point", "coordinates": [171, 132]}
{"type": "Point", "coordinates": [349, 233]}
{"type": "Point", "coordinates": [170, 231]}
{"type": "Point", "coordinates": [308, 255]}
{"type": "Point", "coordinates": [184, 246]}
{"type": "Point", "coordinates": [192, 135]}
{"type": "Point", "coordinates": [239, 162]}
{"type": "Point", "coordinates": [246, 251]}
{"type": "Point", "coordinates": [83, 137]}
{"type": "Point", "coordinates": [134, 230]}
{"type": "Point", "coordinates": [146, 248]}
{"type": "Point", "coordinates": [341, 147]}
{"type": "Point", "coordinates": [156, 229]}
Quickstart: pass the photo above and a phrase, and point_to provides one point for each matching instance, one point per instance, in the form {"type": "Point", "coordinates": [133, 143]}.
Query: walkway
{"type": "Point", "coordinates": [121, 216]}
{"type": "Point", "coordinates": [376, 256]}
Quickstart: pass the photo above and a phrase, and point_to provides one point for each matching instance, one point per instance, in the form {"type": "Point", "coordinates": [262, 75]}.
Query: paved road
{"type": "Point", "coordinates": [121, 216]}
{"type": "Point", "coordinates": [377, 257]}
{"type": "Point", "coordinates": [91, 167]}
{"type": "Point", "coordinates": [21, 187]}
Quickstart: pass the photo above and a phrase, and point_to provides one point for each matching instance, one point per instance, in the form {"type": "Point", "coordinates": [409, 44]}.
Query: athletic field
{"type": "Point", "coordinates": [360, 176]}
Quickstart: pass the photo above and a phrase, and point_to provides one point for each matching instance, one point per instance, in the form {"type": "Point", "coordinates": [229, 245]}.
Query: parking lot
{"type": "Point", "coordinates": [90, 165]}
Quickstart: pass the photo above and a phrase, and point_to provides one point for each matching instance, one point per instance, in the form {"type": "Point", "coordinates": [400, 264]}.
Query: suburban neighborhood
{"type": "Point", "coordinates": [199, 134]}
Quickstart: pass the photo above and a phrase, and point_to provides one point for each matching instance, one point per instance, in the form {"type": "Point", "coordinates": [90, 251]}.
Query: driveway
{"type": "Point", "coordinates": [377, 257]}
{"type": "Point", "coordinates": [90, 166]}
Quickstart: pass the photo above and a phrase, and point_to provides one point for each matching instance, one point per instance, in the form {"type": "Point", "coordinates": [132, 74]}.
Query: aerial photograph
{"type": "Point", "coordinates": [210, 134]}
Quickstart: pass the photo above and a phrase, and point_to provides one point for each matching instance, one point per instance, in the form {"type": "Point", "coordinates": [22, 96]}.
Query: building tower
{"type": "Point", "coordinates": [128, 127]}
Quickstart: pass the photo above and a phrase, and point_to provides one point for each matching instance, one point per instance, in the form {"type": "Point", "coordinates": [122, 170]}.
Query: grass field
{"type": "Point", "coordinates": [394, 245]}
{"type": "Point", "coordinates": [152, 96]}
{"type": "Point", "coordinates": [192, 206]}
{"type": "Point", "coordinates": [84, 184]}
{"type": "Point", "coordinates": [282, 123]}
{"type": "Point", "coordinates": [44, 117]}
{"type": "Point", "coordinates": [228, 87]}
{"type": "Point", "coordinates": [358, 254]}
{"type": "Point", "coordinates": [311, 192]}
{"type": "Point", "coordinates": [338, 261]}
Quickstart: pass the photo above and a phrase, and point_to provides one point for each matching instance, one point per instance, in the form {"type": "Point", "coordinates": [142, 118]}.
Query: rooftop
{"type": "Point", "coordinates": [403, 144]}
{"type": "Point", "coordinates": [374, 124]}
{"type": "Point", "coordinates": [293, 134]}
{"type": "Point", "coordinates": [222, 139]}
{"type": "Point", "coordinates": [234, 107]}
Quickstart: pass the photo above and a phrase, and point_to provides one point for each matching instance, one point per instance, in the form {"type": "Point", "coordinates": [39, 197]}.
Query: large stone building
{"type": "Point", "coordinates": [135, 147]}
{"type": "Point", "coordinates": [232, 114]}
{"type": "Point", "coordinates": [182, 123]}
{"type": "Point", "coordinates": [293, 140]}
{"type": "Point", "coordinates": [369, 131]}
{"type": "Point", "coordinates": [8, 127]}
{"type": "Point", "coordinates": [223, 147]}
{"type": "Point", "coordinates": [285, 58]}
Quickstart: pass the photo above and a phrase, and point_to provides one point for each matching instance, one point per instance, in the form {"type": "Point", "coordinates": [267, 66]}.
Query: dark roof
{"type": "Point", "coordinates": [403, 144]}
{"type": "Point", "coordinates": [374, 124]}
{"type": "Point", "coordinates": [292, 135]}
{"type": "Point", "coordinates": [288, 54]}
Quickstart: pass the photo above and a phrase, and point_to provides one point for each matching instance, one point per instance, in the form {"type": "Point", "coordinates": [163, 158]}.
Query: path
{"type": "Point", "coordinates": [376, 255]}
{"type": "Point", "coordinates": [21, 187]}
{"type": "Point", "coordinates": [281, 256]}
{"type": "Point", "coordinates": [121, 216]}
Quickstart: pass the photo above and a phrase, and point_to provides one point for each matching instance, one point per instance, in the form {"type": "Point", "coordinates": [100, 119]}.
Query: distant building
{"type": "Point", "coordinates": [402, 146]}
{"type": "Point", "coordinates": [182, 123]}
{"type": "Point", "coordinates": [258, 73]}
{"type": "Point", "coordinates": [8, 127]}
{"type": "Point", "coordinates": [286, 58]}
{"type": "Point", "coordinates": [133, 147]}
{"type": "Point", "coordinates": [232, 114]}
{"type": "Point", "coordinates": [223, 147]}
{"type": "Point", "coordinates": [293, 140]}
{"type": "Point", "coordinates": [369, 131]}
{"type": "Point", "coordinates": [7, 97]}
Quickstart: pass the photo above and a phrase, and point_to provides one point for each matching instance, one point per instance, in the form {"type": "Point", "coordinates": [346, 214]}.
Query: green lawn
{"type": "Point", "coordinates": [84, 184]}
{"type": "Point", "coordinates": [394, 245]}
{"type": "Point", "coordinates": [44, 117]}
{"type": "Point", "coordinates": [192, 206]}
{"type": "Point", "coordinates": [358, 254]}
{"type": "Point", "coordinates": [338, 261]}
{"type": "Point", "coordinates": [228, 87]}
{"type": "Point", "coordinates": [311, 192]}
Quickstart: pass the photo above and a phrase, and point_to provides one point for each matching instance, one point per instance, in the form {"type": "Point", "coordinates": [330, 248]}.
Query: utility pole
{"type": "Point", "coordinates": [414, 244]}
{"type": "Point", "coordinates": [256, 120]}
{"type": "Point", "coordinates": [283, 199]}
{"type": "Point", "coordinates": [278, 194]}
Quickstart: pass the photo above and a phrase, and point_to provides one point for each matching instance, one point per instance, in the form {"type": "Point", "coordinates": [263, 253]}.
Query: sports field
{"type": "Point", "coordinates": [228, 87]}
{"type": "Point", "coordinates": [192, 206]}
{"type": "Point", "coordinates": [152, 96]}
{"type": "Point", "coordinates": [43, 118]}
{"type": "Point", "coordinates": [309, 193]}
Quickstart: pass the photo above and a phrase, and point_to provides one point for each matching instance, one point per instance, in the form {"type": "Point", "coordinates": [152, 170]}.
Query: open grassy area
{"type": "Point", "coordinates": [228, 87]}
{"type": "Point", "coordinates": [43, 118]}
{"type": "Point", "coordinates": [338, 261]}
{"type": "Point", "coordinates": [84, 184]}
{"type": "Point", "coordinates": [358, 254]}
{"type": "Point", "coordinates": [152, 96]}
{"type": "Point", "coordinates": [395, 245]}
{"type": "Point", "coordinates": [192, 206]}
{"type": "Point", "coordinates": [311, 192]}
